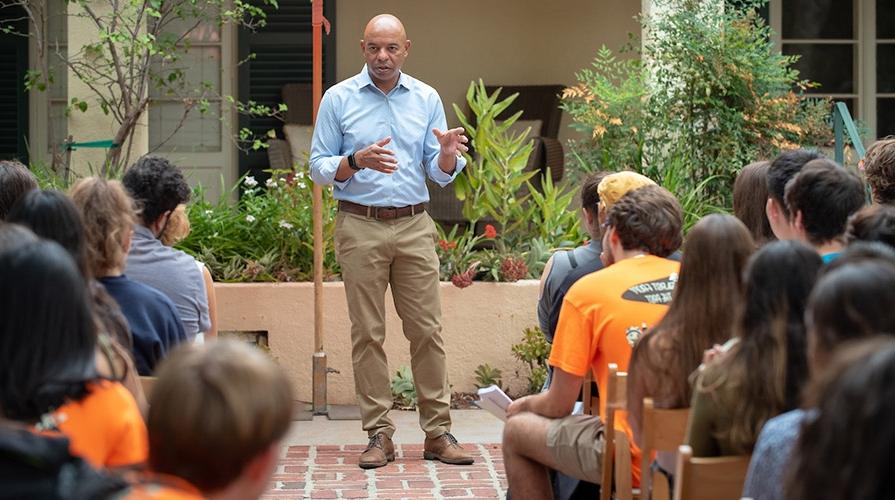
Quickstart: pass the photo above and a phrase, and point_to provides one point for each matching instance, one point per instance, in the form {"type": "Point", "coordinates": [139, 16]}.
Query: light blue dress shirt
{"type": "Point", "coordinates": [354, 114]}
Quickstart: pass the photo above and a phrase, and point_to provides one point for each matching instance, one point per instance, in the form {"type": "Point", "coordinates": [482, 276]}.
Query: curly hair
{"type": "Point", "coordinates": [648, 218]}
{"type": "Point", "coordinates": [873, 223]}
{"type": "Point", "coordinates": [879, 168]}
{"type": "Point", "coordinates": [157, 186]}
{"type": "Point", "coordinates": [826, 194]}
{"type": "Point", "coordinates": [108, 214]}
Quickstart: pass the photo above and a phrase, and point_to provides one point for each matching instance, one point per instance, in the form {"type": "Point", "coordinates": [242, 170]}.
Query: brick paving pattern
{"type": "Point", "coordinates": [312, 472]}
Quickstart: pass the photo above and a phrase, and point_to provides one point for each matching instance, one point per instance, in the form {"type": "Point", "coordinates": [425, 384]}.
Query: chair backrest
{"type": "Point", "coordinates": [662, 430]}
{"type": "Point", "coordinates": [147, 383]}
{"type": "Point", "coordinates": [709, 478]}
{"type": "Point", "coordinates": [615, 448]}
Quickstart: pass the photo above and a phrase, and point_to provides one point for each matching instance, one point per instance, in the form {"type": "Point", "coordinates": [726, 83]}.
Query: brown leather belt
{"type": "Point", "coordinates": [381, 213]}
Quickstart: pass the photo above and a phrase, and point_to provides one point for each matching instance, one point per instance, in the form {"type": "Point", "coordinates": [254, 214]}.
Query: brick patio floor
{"type": "Point", "coordinates": [331, 471]}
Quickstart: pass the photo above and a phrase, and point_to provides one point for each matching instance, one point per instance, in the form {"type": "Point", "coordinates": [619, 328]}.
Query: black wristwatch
{"type": "Point", "coordinates": [353, 163]}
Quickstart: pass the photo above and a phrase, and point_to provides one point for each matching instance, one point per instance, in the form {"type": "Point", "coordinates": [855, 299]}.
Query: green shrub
{"type": "Point", "coordinates": [533, 350]}
{"type": "Point", "coordinates": [486, 375]}
{"type": "Point", "coordinates": [403, 389]}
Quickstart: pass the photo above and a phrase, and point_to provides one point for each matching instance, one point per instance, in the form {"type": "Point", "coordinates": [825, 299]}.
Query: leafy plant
{"type": "Point", "coordinates": [714, 96]}
{"type": "Point", "coordinates": [486, 375]}
{"type": "Point", "coordinates": [533, 350]}
{"type": "Point", "coordinates": [403, 389]}
{"type": "Point", "coordinates": [266, 235]}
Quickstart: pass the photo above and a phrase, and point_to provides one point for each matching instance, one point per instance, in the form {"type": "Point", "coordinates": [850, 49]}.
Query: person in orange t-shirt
{"type": "Point", "coordinates": [602, 317]}
{"type": "Point", "coordinates": [212, 432]}
{"type": "Point", "coordinates": [48, 354]}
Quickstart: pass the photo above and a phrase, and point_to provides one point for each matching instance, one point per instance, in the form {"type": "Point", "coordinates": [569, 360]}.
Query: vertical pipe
{"type": "Point", "coordinates": [319, 359]}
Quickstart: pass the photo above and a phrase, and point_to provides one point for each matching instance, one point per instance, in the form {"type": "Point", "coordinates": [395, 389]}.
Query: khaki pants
{"type": "Point", "coordinates": [401, 252]}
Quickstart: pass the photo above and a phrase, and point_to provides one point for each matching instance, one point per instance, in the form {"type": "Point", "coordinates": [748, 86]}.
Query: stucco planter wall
{"type": "Point", "coordinates": [480, 324]}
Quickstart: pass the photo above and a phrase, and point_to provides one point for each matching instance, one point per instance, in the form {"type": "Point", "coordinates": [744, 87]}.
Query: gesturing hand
{"type": "Point", "coordinates": [453, 142]}
{"type": "Point", "coordinates": [376, 157]}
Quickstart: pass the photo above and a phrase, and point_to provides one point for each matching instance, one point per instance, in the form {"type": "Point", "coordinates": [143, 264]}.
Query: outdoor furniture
{"type": "Point", "coordinates": [540, 111]}
{"type": "Point", "coordinates": [663, 430]}
{"type": "Point", "coordinates": [284, 154]}
{"type": "Point", "coordinates": [709, 478]}
{"type": "Point", "coordinates": [616, 449]}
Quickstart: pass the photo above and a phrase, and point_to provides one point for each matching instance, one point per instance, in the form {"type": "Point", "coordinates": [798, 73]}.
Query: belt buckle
{"type": "Point", "coordinates": [385, 213]}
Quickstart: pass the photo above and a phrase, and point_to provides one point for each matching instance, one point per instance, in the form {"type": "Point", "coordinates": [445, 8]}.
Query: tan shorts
{"type": "Point", "coordinates": [576, 443]}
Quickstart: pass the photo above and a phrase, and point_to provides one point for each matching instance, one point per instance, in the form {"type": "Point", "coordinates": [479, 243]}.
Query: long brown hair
{"type": "Point", "coordinates": [763, 375]}
{"type": "Point", "coordinates": [709, 289]}
{"type": "Point", "coordinates": [750, 196]}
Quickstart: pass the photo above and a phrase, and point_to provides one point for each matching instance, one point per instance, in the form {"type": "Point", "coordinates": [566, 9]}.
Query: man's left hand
{"type": "Point", "coordinates": [453, 142]}
{"type": "Point", "coordinates": [518, 406]}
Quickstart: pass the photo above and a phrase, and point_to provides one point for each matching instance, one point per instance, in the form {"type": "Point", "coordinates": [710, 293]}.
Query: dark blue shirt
{"type": "Point", "coordinates": [152, 319]}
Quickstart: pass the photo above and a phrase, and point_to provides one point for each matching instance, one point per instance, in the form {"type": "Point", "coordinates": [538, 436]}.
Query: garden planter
{"type": "Point", "coordinates": [480, 324]}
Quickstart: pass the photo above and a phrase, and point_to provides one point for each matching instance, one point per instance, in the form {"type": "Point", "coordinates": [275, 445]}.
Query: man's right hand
{"type": "Point", "coordinates": [376, 157]}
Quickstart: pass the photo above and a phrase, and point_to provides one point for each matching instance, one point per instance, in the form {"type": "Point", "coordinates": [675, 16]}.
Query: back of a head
{"type": "Point", "coordinates": [157, 186]}
{"type": "Point", "coordinates": [214, 408]}
{"type": "Point", "coordinates": [52, 215]}
{"type": "Point", "coordinates": [783, 169]}
{"type": "Point", "coordinates": [826, 194]}
{"type": "Point", "coordinates": [47, 336]}
{"type": "Point", "coordinates": [872, 223]}
{"type": "Point", "coordinates": [853, 301]}
{"type": "Point", "coordinates": [614, 186]}
{"type": "Point", "coordinates": [108, 216]}
{"type": "Point", "coordinates": [590, 194]}
{"type": "Point", "coordinates": [15, 181]}
{"type": "Point", "coordinates": [13, 236]}
{"type": "Point", "coordinates": [879, 169]}
{"type": "Point", "coordinates": [750, 196]}
{"type": "Point", "coordinates": [648, 218]}
{"type": "Point", "coordinates": [847, 450]}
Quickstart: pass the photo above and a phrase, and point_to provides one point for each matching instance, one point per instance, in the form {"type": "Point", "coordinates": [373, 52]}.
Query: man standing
{"type": "Point", "coordinates": [378, 136]}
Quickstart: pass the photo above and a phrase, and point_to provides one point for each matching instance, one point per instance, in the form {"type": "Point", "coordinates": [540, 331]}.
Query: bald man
{"type": "Point", "coordinates": [379, 135]}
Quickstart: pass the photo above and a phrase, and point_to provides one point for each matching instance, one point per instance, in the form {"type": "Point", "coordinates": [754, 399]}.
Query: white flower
{"type": "Point", "coordinates": [251, 182]}
{"type": "Point", "coordinates": [285, 225]}
{"type": "Point", "coordinates": [271, 183]}
{"type": "Point", "coordinates": [302, 185]}
{"type": "Point", "coordinates": [250, 218]}
{"type": "Point", "coordinates": [209, 212]}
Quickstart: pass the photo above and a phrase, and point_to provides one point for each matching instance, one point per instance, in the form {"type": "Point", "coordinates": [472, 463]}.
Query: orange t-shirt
{"type": "Point", "coordinates": [603, 315]}
{"type": "Point", "coordinates": [105, 427]}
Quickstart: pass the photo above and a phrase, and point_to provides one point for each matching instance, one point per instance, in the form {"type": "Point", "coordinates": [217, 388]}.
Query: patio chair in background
{"type": "Point", "coordinates": [708, 478]}
{"type": "Point", "coordinates": [616, 450]}
{"type": "Point", "coordinates": [663, 430]}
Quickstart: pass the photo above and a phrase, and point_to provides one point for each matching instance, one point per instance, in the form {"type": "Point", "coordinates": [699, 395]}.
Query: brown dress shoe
{"type": "Point", "coordinates": [446, 449]}
{"type": "Point", "coordinates": [380, 451]}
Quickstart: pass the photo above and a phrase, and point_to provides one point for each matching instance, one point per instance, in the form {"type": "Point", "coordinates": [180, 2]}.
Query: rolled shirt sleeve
{"type": "Point", "coordinates": [431, 148]}
{"type": "Point", "coordinates": [326, 145]}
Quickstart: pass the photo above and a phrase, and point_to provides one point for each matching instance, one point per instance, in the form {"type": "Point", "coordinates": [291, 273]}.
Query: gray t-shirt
{"type": "Point", "coordinates": [771, 456]}
{"type": "Point", "coordinates": [174, 273]}
{"type": "Point", "coordinates": [561, 267]}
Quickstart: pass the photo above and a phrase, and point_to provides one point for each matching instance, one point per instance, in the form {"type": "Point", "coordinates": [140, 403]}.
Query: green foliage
{"type": "Point", "coordinates": [265, 236]}
{"type": "Point", "coordinates": [533, 350]}
{"type": "Point", "coordinates": [486, 375]}
{"type": "Point", "coordinates": [714, 96]}
{"type": "Point", "coordinates": [403, 389]}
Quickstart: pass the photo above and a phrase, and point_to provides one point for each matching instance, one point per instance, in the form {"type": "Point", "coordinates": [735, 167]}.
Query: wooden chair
{"type": "Point", "coordinates": [147, 383]}
{"type": "Point", "coordinates": [662, 430]}
{"type": "Point", "coordinates": [708, 478]}
{"type": "Point", "coordinates": [616, 451]}
{"type": "Point", "coordinates": [590, 402]}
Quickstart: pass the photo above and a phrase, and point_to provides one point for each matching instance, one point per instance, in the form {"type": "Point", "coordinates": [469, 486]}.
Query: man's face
{"type": "Point", "coordinates": [385, 49]}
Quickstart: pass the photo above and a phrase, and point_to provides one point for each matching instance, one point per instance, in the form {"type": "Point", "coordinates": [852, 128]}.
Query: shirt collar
{"type": "Point", "coordinates": [364, 79]}
{"type": "Point", "coordinates": [143, 231]}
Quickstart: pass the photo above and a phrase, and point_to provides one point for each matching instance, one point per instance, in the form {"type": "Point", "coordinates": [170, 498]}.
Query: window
{"type": "Point", "coordinates": [848, 47]}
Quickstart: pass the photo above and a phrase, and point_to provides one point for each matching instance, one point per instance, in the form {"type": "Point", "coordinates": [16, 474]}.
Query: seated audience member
{"type": "Point", "coordinates": [820, 199]}
{"type": "Point", "coordinates": [602, 316]}
{"type": "Point", "coordinates": [561, 272]}
{"type": "Point", "coordinates": [762, 375]}
{"type": "Point", "coordinates": [750, 198]}
{"type": "Point", "coordinates": [709, 288]}
{"type": "Point", "coordinates": [52, 215]}
{"type": "Point", "coordinates": [212, 432]}
{"type": "Point", "coordinates": [846, 449]}
{"type": "Point", "coordinates": [781, 171]}
{"type": "Point", "coordinates": [15, 181]}
{"type": "Point", "coordinates": [151, 316]}
{"type": "Point", "coordinates": [177, 230]}
{"type": "Point", "coordinates": [158, 187]}
{"type": "Point", "coordinates": [852, 301]}
{"type": "Point", "coordinates": [872, 223]}
{"type": "Point", "coordinates": [879, 170]}
{"type": "Point", "coordinates": [47, 351]}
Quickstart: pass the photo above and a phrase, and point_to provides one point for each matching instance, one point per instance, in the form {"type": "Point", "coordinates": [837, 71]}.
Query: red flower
{"type": "Point", "coordinates": [490, 232]}
{"type": "Point", "coordinates": [447, 245]}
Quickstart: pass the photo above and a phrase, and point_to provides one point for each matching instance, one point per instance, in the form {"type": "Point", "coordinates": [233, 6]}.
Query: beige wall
{"type": "Point", "coordinates": [504, 42]}
{"type": "Point", "coordinates": [473, 334]}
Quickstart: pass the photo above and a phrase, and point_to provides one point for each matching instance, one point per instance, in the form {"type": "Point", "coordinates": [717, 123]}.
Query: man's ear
{"type": "Point", "coordinates": [798, 222]}
{"type": "Point", "coordinates": [363, 50]}
{"type": "Point", "coordinates": [771, 209]}
{"type": "Point", "coordinates": [407, 46]}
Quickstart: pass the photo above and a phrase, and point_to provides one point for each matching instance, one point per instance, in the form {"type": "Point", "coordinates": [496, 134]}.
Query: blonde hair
{"type": "Point", "coordinates": [109, 216]}
{"type": "Point", "coordinates": [214, 408]}
{"type": "Point", "coordinates": [177, 228]}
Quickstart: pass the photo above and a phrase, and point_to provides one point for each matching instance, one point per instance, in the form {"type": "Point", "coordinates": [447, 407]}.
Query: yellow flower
{"type": "Point", "coordinates": [615, 121]}
{"type": "Point", "coordinates": [599, 130]}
